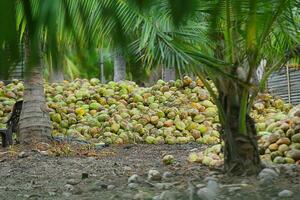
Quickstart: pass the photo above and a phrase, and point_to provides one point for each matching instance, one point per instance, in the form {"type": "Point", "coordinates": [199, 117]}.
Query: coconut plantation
{"type": "Point", "coordinates": [150, 100]}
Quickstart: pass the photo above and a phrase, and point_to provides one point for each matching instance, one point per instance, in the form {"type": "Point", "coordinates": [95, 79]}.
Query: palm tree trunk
{"type": "Point", "coordinates": [57, 75]}
{"type": "Point", "coordinates": [119, 66]}
{"type": "Point", "coordinates": [241, 150]}
{"type": "Point", "coordinates": [168, 74]}
{"type": "Point", "coordinates": [34, 120]}
{"type": "Point", "coordinates": [101, 63]}
{"type": "Point", "coordinates": [155, 75]}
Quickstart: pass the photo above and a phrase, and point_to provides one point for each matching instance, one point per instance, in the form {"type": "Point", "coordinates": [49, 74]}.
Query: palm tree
{"type": "Point", "coordinates": [34, 120]}
{"type": "Point", "coordinates": [224, 40]}
{"type": "Point", "coordinates": [168, 74]}
{"type": "Point", "coordinates": [241, 34]}
{"type": "Point", "coordinates": [119, 66]}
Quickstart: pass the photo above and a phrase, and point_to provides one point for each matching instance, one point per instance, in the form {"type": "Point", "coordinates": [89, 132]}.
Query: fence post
{"type": "Point", "coordinates": [288, 82]}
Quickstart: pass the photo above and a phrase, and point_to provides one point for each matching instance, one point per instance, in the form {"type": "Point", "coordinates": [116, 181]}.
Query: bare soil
{"type": "Point", "coordinates": [103, 174]}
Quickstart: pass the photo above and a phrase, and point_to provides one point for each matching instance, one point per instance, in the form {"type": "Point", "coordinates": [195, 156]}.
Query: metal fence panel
{"type": "Point", "coordinates": [286, 84]}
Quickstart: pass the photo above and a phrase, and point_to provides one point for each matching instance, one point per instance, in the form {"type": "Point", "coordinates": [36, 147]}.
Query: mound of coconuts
{"type": "Point", "coordinates": [175, 112]}
{"type": "Point", "coordinates": [277, 125]}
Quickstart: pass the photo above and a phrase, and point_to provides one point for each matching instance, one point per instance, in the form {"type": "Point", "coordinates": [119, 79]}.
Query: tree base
{"type": "Point", "coordinates": [244, 159]}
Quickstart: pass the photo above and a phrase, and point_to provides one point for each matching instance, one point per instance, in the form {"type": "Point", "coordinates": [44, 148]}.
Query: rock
{"type": "Point", "coordinates": [23, 154]}
{"type": "Point", "coordinates": [168, 195]}
{"type": "Point", "coordinates": [134, 179]}
{"type": "Point", "coordinates": [267, 176]}
{"type": "Point", "coordinates": [210, 178]}
{"type": "Point", "coordinates": [126, 196]}
{"type": "Point", "coordinates": [154, 175]}
{"type": "Point", "coordinates": [213, 186]}
{"type": "Point", "coordinates": [127, 169]}
{"type": "Point", "coordinates": [66, 194]}
{"type": "Point", "coordinates": [200, 185]}
{"type": "Point", "coordinates": [164, 186]}
{"type": "Point", "coordinates": [73, 181]}
{"type": "Point", "coordinates": [157, 197]}
{"type": "Point", "coordinates": [234, 189]}
{"type": "Point", "coordinates": [133, 185]}
{"type": "Point", "coordinates": [210, 191]}
{"type": "Point", "coordinates": [51, 194]}
{"type": "Point", "coordinates": [167, 175]}
{"type": "Point", "coordinates": [98, 186]}
{"type": "Point", "coordinates": [285, 193]}
{"type": "Point", "coordinates": [206, 194]}
{"type": "Point", "coordinates": [68, 187]}
{"type": "Point", "coordinates": [142, 196]}
{"type": "Point", "coordinates": [111, 187]}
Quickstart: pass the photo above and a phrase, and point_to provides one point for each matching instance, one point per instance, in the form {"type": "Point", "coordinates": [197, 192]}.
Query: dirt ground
{"type": "Point", "coordinates": [33, 175]}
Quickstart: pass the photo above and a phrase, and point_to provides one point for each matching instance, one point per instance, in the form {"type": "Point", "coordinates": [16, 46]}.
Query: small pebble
{"type": "Point", "coordinates": [267, 176]}
{"type": "Point", "coordinates": [126, 168]}
{"type": "Point", "coordinates": [69, 187]}
{"type": "Point", "coordinates": [154, 175]}
{"type": "Point", "coordinates": [206, 194]}
{"type": "Point", "coordinates": [73, 181]}
{"type": "Point", "coordinates": [134, 179]}
{"type": "Point", "coordinates": [234, 189]}
{"type": "Point", "coordinates": [141, 196]}
{"type": "Point", "coordinates": [66, 194]}
{"type": "Point", "coordinates": [208, 178]}
{"type": "Point", "coordinates": [168, 195]}
{"type": "Point", "coordinates": [162, 186]}
{"type": "Point", "coordinates": [167, 175]}
{"type": "Point", "coordinates": [213, 186]}
{"type": "Point", "coordinates": [51, 194]}
{"type": "Point", "coordinates": [127, 196]}
{"type": "Point", "coordinates": [23, 154]}
{"type": "Point", "coordinates": [200, 185]}
{"type": "Point", "coordinates": [133, 185]}
{"type": "Point", "coordinates": [111, 187]}
{"type": "Point", "coordinates": [285, 193]}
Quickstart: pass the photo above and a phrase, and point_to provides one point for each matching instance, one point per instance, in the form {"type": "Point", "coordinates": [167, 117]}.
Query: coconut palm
{"type": "Point", "coordinates": [119, 65]}
{"type": "Point", "coordinates": [224, 40]}
{"type": "Point", "coordinates": [240, 35]}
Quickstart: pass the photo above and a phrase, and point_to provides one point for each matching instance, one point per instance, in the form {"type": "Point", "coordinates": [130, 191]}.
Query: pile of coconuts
{"type": "Point", "coordinates": [175, 112]}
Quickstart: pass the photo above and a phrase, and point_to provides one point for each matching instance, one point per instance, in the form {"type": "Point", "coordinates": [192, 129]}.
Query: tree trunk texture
{"type": "Point", "coordinates": [169, 74]}
{"type": "Point", "coordinates": [155, 75]}
{"type": "Point", "coordinates": [241, 153]}
{"type": "Point", "coordinates": [101, 65]}
{"type": "Point", "coordinates": [34, 119]}
{"type": "Point", "coordinates": [57, 75]}
{"type": "Point", "coordinates": [119, 66]}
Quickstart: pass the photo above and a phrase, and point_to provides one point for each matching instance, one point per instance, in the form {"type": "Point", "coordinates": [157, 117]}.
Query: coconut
{"type": "Point", "coordinates": [168, 159]}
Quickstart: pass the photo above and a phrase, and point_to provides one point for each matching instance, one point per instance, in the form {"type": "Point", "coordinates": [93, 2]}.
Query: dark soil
{"type": "Point", "coordinates": [36, 176]}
